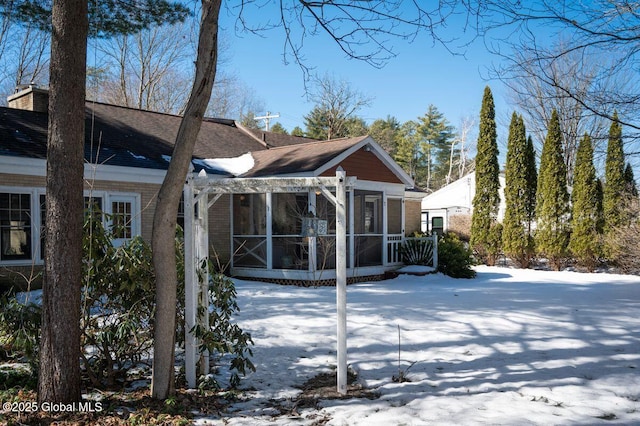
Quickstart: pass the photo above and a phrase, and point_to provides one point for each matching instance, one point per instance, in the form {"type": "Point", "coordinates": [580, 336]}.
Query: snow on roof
{"type": "Point", "coordinates": [235, 166]}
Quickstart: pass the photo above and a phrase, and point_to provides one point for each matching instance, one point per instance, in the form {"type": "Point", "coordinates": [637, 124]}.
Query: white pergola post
{"type": "Point", "coordinates": [190, 286]}
{"type": "Point", "coordinates": [202, 260]}
{"type": "Point", "coordinates": [341, 278]}
{"type": "Point", "coordinates": [196, 234]}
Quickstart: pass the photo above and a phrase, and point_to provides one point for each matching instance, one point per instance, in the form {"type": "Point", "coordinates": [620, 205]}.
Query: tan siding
{"type": "Point", "coordinates": [21, 180]}
{"type": "Point", "coordinates": [366, 166]}
{"type": "Point", "coordinates": [412, 212]}
{"type": "Point", "coordinates": [220, 231]}
{"type": "Point", "coordinates": [147, 193]}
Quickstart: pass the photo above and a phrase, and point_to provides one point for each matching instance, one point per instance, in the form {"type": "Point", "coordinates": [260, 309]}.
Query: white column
{"type": "Point", "coordinates": [341, 279]}
{"type": "Point", "coordinates": [190, 286]}
{"type": "Point", "coordinates": [202, 258]}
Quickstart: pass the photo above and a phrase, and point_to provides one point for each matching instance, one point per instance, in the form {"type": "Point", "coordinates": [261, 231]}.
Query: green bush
{"type": "Point", "coordinates": [118, 309]}
{"type": "Point", "coordinates": [454, 257]}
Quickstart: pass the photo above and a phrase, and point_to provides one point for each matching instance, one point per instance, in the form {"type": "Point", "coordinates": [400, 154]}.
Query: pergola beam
{"type": "Point", "coordinates": [264, 185]}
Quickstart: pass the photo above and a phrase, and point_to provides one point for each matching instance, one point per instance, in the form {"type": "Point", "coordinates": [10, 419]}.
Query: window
{"type": "Point", "coordinates": [15, 226]}
{"type": "Point", "coordinates": [122, 219]}
{"type": "Point", "coordinates": [23, 218]}
{"type": "Point", "coordinates": [437, 225]}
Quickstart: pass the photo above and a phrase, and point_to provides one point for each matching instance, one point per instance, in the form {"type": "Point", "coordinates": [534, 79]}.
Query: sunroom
{"type": "Point", "coordinates": [292, 235]}
{"type": "Point", "coordinates": [283, 214]}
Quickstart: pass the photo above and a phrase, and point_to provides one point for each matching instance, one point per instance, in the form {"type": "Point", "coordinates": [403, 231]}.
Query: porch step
{"type": "Point", "coordinates": [418, 270]}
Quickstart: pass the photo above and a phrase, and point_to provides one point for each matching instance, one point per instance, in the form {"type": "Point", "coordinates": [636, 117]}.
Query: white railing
{"type": "Point", "coordinates": [416, 250]}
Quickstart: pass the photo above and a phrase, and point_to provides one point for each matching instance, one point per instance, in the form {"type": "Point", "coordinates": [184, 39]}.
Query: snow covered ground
{"type": "Point", "coordinates": [510, 347]}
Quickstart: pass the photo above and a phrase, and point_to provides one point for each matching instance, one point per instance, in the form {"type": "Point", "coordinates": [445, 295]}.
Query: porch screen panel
{"type": "Point", "coordinates": [368, 228]}
{"type": "Point", "coordinates": [290, 249]}
{"type": "Point", "coordinates": [394, 216]}
{"type": "Point", "coordinates": [250, 230]}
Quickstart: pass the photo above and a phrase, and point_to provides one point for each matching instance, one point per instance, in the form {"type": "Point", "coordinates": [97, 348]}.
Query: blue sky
{"type": "Point", "coordinates": [421, 74]}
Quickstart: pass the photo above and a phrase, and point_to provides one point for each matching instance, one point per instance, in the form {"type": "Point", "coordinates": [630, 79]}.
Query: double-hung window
{"type": "Point", "coordinates": [23, 220]}
{"type": "Point", "coordinates": [15, 226]}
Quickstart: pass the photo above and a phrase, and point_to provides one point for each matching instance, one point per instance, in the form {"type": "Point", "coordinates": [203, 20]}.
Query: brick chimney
{"type": "Point", "coordinates": [30, 98]}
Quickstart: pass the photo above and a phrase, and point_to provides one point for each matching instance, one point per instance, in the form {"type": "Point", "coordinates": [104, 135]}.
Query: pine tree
{"type": "Point", "coordinates": [585, 238]}
{"type": "Point", "coordinates": [487, 198]}
{"type": "Point", "coordinates": [435, 146]}
{"type": "Point", "coordinates": [515, 235]}
{"type": "Point", "coordinates": [552, 200]}
{"type": "Point", "coordinates": [614, 185]}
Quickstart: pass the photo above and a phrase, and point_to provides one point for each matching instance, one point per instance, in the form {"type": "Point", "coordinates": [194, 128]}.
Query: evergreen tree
{"type": "Point", "coordinates": [386, 132]}
{"type": "Point", "coordinates": [435, 147]}
{"type": "Point", "coordinates": [630, 181]}
{"type": "Point", "coordinates": [599, 204]}
{"type": "Point", "coordinates": [487, 199]}
{"type": "Point", "coordinates": [531, 185]}
{"type": "Point", "coordinates": [297, 131]}
{"type": "Point", "coordinates": [278, 128]}
{"type": "Point", "coordinates": [585, 238]}
{"type": "Point", "coordinates": [408, 154]}
{"type": "Point", "coordinates": [552, 200]}
{"type": "Point", "coordinates": [515, 234]}
{"type": "Point", "coordinates": [614, 184]}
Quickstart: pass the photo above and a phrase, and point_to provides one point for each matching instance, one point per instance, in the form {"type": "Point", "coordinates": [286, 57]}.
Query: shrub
{"type": "Point", "coordinates": [454, 257]}
{"type": "Point", "coordinates": [118, 308]}
{"type": "Point", "coordinates": [19, 330]}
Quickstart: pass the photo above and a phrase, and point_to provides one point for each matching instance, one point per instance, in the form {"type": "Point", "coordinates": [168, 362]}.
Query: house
{"type": "Point", "coordinates": [451, 207]}
{"type": "Point", "coordinates": [259, 235]}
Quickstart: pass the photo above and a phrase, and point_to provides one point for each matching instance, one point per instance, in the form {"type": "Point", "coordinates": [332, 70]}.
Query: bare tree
{"type": "Point", "coordinates": [467, 125]}
{"type": "Point", "coordinates": [336, 103]}
{"type": "Point", "coordinates": [537, 86]}
{"type": "Point", "coordinates": [25, 55]}
{"type": "Point", "coordinates": [148, 70]}
{"type": "Point", "coordinates": [32, 59]}
{"type": "Point", "coordinates": [166, 213]}
{"type": "Point", "coordinates": [599, 36]}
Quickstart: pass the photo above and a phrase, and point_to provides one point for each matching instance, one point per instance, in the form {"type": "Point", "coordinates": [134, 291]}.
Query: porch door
{"type": "Point", "coordinates": [368, 226]}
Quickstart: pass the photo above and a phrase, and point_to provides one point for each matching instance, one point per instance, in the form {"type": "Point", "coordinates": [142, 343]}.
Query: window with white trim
{"type": "Point", "coordinates": [23, 220]}
{"type": "Point", "coordinates": [15, 226]}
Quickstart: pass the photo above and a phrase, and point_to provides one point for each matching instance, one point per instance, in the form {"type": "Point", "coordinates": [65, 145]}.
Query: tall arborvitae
{"type": "Point", "coordinates": [614, 184]}
{"type": "Point", "coordinates": [531, 187]}
{"type": "Point", "coordinates": [599, 200]}
{"type": "Point", "coordinates": [515, 235]}
{"type": "Point", "coordinates": [552, 200]}
{"type": "Point", "coordinates": [585, 238]}
{"type": "Point", "coordinates": [487, 199]}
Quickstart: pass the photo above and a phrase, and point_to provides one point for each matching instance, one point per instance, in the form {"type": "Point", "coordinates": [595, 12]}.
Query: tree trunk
{"type": "Point", "coordinates": [59, 376]}
{"type": "Point", "coordinates": [164, 221]}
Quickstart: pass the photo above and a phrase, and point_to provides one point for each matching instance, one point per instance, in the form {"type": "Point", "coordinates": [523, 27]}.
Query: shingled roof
{"type": "Point", "coordinates": [121, 136]}
{"type": "Point", "coordinates": [299, 158]}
